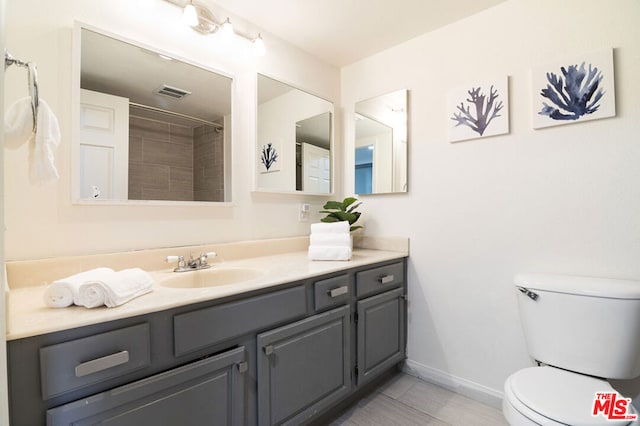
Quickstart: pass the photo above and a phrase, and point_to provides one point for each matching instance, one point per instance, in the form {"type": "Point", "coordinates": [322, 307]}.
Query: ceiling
{"type": "Point", "coordinates": [341, 32]}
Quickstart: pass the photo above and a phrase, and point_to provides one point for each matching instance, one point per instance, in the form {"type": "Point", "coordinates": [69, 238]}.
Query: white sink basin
{"type": "Point", "coordinates": [210, 277]}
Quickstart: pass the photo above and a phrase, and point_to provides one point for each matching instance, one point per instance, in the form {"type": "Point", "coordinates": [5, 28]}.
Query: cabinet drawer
{"type": "Point", "coordinates": [331, 292]}
{"type": "Point", "coordinates": [204, 327]}
{"type": "Point", "coordinates": [205, 392]}
{"type": "Point", "coordinates": [72, 365]}
{"type": "Point", "coordinates": [379, 279]}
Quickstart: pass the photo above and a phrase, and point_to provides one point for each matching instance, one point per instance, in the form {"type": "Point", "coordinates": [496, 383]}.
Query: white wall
{"type": "Point", "coordinates": [42, 222]}
{"type": "Point", "coordinates": [561, 200]}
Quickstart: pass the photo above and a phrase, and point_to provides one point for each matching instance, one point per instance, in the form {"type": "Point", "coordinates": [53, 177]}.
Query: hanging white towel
{"type": "Point", "coordinates": [64, 292]}
{"type": "Point", "coordinates": [115, 289]}
{"type": "Point", "coordinates": [330, 227]}
{"type": "Point", "coordinates": [18, 123]}
{"type": "Point", "coordinates": [42, 145]}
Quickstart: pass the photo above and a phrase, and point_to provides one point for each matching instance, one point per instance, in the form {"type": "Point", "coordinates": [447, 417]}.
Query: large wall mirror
{"type": "Point", "coordinates": [293, 139]}
{"type": "Point", "coordinates": [150, 127]}
{"type": "Point", "coordinates": [381, 144]}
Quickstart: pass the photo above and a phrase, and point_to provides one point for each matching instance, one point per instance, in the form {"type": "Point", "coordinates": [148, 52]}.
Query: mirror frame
{"type": "Point", "coordinates": [75, 122]}
{"type": "Point", "coordinates": [332, 144]}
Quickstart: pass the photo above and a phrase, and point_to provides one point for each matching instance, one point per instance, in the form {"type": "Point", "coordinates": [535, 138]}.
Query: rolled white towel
{"type": "Point", "coordinates": [330, 227]}
{"type": "Point", "coordinates": [319, 240]}
{"type": "Point", "coordinates": [116, 289]}
{"type": "Point", "coordinates": [64, 292]}
{"type": "Point", "coordinates": [329, 253]}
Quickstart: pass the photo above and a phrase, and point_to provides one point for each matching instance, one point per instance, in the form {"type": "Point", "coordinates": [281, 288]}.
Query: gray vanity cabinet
{"type": "Point", "coordinates": [303, 367]}
{"type": "Point", "coordinates": [381, 338]}
{"type": "Point", "coordinates": [381, 319]}
{"type": "Point", "coordinates": [281, 355]}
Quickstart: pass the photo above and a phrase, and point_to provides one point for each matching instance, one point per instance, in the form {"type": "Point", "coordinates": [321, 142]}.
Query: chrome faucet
{"type": "Point", "coordinates": [193, 264]}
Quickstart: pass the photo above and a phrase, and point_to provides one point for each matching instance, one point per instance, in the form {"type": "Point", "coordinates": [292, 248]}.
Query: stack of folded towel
{"type": "Point", "coordinates": [97, 287]}
{"type": "Point", "coordinates": [330, 241]}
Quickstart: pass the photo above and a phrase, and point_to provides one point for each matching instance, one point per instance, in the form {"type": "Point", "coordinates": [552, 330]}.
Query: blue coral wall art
{"type": "Point", "coordinates": [574, 90]}
{"type": "Point", "coordinates": [478, 110]}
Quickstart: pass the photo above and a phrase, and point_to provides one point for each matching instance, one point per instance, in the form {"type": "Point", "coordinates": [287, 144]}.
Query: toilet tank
{"type": "Point", "coordinates": [583, 324]}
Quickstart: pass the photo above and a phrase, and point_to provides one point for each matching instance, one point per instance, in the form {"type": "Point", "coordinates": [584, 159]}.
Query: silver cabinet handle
{"type": "Point", "coordinates": [268, 350]}
{"type": "Point", "coordinates": [242, 366]}
{"type": "Point", "coordinates": [103, 363]}
{"type": "Point", "coordinates": [338, 291]}
{"type": "Point", "coordinates": [385, 279]}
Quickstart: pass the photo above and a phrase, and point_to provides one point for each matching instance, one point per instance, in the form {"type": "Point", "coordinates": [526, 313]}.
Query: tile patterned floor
{"type": "Point", "coordinates": [405, 400]}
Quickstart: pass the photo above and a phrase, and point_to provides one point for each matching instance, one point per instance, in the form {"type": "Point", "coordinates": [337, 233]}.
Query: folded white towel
{"type": "Point", "coordinates": [330, 228]}
{"type": "Point", "coordinates": [343, 239]}
{"type": "Point", "coordinates": [115, 289]}
{"type": "Point", "coordinates": [329, 253]}
{"type": "Point", "coordinates": [19, 129]}
{"type": "Point", "coordinates": [64, 292]}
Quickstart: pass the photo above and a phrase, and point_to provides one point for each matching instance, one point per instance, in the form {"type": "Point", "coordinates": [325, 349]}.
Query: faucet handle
{"type": "Point", "coordinates": [179, 259]}
{"type": "Point", "coordinates": [204, 256]}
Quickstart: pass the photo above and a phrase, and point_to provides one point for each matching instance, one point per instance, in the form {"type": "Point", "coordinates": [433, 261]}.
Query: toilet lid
{"type": "Point", "coordinates": [560, 395]}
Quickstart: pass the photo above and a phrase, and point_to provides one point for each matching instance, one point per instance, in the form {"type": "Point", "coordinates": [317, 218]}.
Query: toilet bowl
{"type": "Point", "coordinates": [581, 329]}
{"type": "Point", "coordinates": [551, 396]}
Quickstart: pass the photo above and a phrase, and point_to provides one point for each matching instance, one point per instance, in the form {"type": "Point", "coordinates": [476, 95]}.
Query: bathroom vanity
{"type": "Point", "coordinates": [282, 353]}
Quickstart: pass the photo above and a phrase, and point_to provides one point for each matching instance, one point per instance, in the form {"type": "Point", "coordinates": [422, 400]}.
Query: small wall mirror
{"type": "Point", "coordinates": [381, 144]}
{"type": "Point", "coordinates": [151, 127]}
{"type": "Point", "coordinates": [294, 137]}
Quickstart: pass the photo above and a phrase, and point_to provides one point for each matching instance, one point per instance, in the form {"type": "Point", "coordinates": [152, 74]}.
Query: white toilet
{"type": "Point", "coordinates": [584, 331]}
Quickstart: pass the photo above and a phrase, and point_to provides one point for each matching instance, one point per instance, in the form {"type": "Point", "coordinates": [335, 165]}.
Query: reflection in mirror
{"type": "Point", "coordinates": [151, 127]}
{"type": "Point", "coordinates": [381, 144]}
{"type": "Point", "coordinates": [293, 139]}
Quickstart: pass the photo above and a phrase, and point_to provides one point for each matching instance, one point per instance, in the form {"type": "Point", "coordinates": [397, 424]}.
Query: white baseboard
{"type": "Point", "coordinates": [459, 385]}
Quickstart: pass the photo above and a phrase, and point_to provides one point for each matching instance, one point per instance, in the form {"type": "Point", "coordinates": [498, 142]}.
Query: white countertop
{"type": "Point", "coordinates": [27, 315]}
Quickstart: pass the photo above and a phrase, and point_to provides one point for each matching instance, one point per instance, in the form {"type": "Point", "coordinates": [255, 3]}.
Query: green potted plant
{"type": "Point", "coordinates": [338, 211]}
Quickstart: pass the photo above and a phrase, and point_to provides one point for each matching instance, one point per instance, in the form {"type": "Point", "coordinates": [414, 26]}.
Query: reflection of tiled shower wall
{"type": "Point", "coordinates": [208, 164]}
{"type": "Point", "coordinates": [171, 162]}
{"type": "Point", "coordinates": [160, 161]}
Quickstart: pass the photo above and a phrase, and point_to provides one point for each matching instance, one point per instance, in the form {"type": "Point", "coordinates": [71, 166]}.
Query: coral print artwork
{"type": "Point", "coordinates": [478, 110]}
{"type": "Point", "coordinates": [269, 158]}
{"type": "Point", "coordinates": [574, 91]}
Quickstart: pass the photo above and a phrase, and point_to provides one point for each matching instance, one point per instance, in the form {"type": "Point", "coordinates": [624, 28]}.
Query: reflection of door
{"type": "Point", "coordinates": [364, 170]}
{"type": "Point", "coordinates": [316, 169]}
{"type": "Point", "coordinates": [104, 145]}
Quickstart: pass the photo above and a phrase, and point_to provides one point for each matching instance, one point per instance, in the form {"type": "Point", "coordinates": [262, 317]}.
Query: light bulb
{"type": "Point", "coordinates": [190, 15]}
{"type": "Point", "coordinates": [226, 31]}
{"type": "Point", "coordinates": [258, 46]}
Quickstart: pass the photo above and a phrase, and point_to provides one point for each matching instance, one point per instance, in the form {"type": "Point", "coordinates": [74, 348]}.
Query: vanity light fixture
{"type": "Point", "coordinates": [200, 19]}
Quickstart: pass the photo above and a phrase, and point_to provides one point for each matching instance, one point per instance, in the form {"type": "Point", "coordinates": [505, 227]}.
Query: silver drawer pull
{"type": "Point", "coordinates": [268, 350]}
{"type": "Point", "coordinates": [338, 291]}
{"type": "Point", "coordinates": [385, 279]}
{"type": "Point", "coordinates": [243, 366]}
{"type": "Point", "coordinates": [103, 363]}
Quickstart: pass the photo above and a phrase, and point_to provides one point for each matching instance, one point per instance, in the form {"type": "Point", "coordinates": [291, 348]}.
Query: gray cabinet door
{"type": "Point", "coordinates": [381, 333]}
{"type": "Point", "coordinates": [303, 367]}
{"type": "Point", "coordinates": [206, 392]}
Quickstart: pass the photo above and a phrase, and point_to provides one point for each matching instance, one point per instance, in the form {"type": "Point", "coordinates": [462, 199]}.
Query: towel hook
{"type": "Point", "coordinates": [32, 76]}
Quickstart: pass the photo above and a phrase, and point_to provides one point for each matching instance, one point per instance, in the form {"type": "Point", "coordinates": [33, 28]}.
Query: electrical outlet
{"type": "Point", "coordinates": [303, 213]}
